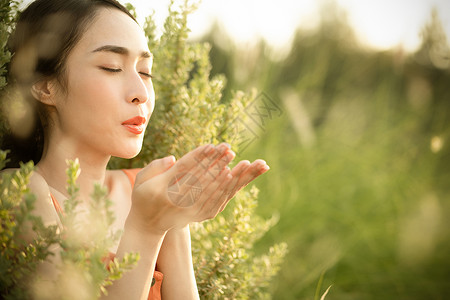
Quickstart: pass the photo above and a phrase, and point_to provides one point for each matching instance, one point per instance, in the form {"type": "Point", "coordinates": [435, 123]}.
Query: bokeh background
{"type": "Point", "coordinates": [357, 138]}
{"type": "Point", "coordinates": [359, 153]}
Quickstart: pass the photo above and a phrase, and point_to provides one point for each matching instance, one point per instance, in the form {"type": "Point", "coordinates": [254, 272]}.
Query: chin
{"type": "Point", "coordinates": [127, 156]}
{"type": "Point", "coordinates": [128, 152]}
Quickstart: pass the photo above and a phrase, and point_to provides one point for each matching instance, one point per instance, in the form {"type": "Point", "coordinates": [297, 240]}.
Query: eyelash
{"type": "Point", "coordinates": [146, 75]}
{"type": "Point", "coordinates": [111, 70]}
{"type": "Point", "coordinates": [120, 70]}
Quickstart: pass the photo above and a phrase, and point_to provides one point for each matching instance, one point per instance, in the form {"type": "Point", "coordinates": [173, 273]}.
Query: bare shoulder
{"type": "Point", "coordinates": [124, 178]}
{"type": "Point", "coordinates": [119, 187]}
{"type": "Point", "coordinates": [117, 179]}
{"type": "Point", "coordinates": [120, 191]}
{"type": "Point", "coordinates": [43, 206]}
{"type": "Point", "coordinates": [37, 184]}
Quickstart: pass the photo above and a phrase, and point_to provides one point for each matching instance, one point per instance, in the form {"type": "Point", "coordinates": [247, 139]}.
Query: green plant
{"type": "Point", "coordinates": [81, 245]}
{"type": "Point", "coordinates": [8, 12]}
{"type": "Point", "coordinates": [226, 265]}
{"type": "Point", "coordinates": [19, 259]}
{"type": "Point", "coordinates": [189, 112]}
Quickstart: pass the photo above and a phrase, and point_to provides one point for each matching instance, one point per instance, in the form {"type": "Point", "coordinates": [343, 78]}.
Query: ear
{"type": "Point", "coordinates": [44, 91]}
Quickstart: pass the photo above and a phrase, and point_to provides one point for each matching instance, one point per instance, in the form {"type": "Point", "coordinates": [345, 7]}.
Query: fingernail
{"type": "Point", "coordinates": [169, 158]}
{"type": "Point", "coordinates": [231, 154]}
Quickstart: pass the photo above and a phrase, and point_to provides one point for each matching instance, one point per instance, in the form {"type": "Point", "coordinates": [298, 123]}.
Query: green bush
{"type": "Point", "coordinates": [81, 245]}
{"type": "Point", "coordinates": [19, 260]}
{"type": "Point", "coordinates": [189, 112]}
{"type": "Point", "coordinates": [360, 162]}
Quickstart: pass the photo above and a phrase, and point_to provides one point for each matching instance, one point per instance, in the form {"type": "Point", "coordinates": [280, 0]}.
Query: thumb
{"type": "Point", "coordinates": [155, 168]}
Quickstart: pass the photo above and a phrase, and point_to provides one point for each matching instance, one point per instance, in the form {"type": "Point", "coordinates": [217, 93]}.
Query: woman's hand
{"type": "Point", "coordinates": [197, 187]}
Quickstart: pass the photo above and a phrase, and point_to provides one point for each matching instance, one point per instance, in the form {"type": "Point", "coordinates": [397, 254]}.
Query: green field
{"type": "Point", "coordinates": [360, 165]}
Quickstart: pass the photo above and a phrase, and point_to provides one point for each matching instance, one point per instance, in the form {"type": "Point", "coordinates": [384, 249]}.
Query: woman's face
{"type": "Point", "coordinates": [109, 97]}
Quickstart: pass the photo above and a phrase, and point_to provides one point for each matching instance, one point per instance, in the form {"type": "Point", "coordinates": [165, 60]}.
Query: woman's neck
{"type": "Point", "coordinates": [53, 166]}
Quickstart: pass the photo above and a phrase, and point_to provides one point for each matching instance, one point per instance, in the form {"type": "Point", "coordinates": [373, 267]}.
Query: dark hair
{"type": "Point", "coordinates": [46, 32]}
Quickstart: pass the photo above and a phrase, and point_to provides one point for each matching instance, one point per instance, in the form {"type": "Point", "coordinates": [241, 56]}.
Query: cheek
{"type": "Point", "coordinates": [90, 98]}
{"type": "Point", "coordinates": [94, 91]}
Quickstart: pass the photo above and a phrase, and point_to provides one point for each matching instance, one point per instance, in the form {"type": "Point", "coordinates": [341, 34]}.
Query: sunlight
{"type": "Point", "coordinates": [385, 24]}
{"type": "Point", "coordinates": [380, 24]}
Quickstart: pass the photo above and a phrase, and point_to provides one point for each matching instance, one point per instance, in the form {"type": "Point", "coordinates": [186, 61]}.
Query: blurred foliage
{"type": "Point", "coordinates": [223, 254]}
{"type": "Point", "coordinates": [434, 50]}
{"type": "Point", "coordinates": [81, 245]}
{"type": "Point", "coordinates": [85, 243]}
{"type": "Point", "coordinates": [188, 113]}
{"type": "Point", "coordinates": [8, 13]}
{"type": "Point", "coordinates": [19, 260]}
{"type": "Point", "coordinates": [360, 160]}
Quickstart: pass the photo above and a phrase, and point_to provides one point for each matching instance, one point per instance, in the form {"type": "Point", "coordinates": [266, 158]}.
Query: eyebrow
{"type": "Point", "coordinates": [121, 50]}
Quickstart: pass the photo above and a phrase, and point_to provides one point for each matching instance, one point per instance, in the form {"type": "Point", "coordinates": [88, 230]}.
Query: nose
{"type": "Point", "coordinates": [140, 91]}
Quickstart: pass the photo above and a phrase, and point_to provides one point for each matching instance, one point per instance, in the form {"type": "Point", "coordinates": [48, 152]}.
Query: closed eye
{"type": "Point", "coordinates": [112, 70]}
{"type": "Point", "coordinates": [148, 75]}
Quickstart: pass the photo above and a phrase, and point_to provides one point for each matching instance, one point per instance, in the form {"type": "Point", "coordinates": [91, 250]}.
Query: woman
{"type": "Point", "coordinates": [86, 67]}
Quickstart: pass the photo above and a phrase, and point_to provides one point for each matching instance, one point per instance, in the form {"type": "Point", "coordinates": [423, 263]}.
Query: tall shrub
{"type": "Point", "coordinates": [189, 111]}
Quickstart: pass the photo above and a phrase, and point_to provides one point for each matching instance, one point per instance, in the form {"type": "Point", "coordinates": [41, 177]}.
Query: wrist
{"type": "Point", "coordinates": [135, 224]}
{"type": "Point", "coordinates": [135, 238]}
{"type": "Point", "coordinates": [177, 237]}
{"type": "Point", "coordinates": [180, 230]}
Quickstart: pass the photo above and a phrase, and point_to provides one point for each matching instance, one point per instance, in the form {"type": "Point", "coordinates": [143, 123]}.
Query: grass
{"type": "Point", "coordinates": [362, 209]}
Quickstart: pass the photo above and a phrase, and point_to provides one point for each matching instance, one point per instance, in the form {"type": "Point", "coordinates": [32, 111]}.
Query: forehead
{"type": "Point", "coordinates": [112, 27]}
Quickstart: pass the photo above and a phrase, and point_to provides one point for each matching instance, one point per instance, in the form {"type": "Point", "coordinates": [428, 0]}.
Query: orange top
{"type": "Point", "coordinates": [155, 290]}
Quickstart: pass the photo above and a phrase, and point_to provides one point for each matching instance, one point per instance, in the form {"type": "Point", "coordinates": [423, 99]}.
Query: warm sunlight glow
{"type": "Point", "coordinates": [385, 24]}
{"type": "Point", "coordinates": [380, 24]}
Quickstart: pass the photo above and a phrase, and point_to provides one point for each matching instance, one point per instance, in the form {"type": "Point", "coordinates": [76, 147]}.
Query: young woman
{"type": "Point", "coordinates": [86, 67]}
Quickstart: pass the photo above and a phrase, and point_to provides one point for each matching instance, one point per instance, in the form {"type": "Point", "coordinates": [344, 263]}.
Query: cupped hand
{"type": "Point", "coordinates": [195, 188]}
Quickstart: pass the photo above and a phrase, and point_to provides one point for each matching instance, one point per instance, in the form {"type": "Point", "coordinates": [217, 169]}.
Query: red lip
{"type": "Point", "coordinates": [135, 125]}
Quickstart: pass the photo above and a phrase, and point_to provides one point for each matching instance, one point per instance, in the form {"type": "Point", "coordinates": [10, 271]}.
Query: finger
{"type": "Point", "coordinates": [217, 159]}
{"type": "Point", "coordinates": [211, 152]}
{"type": "Point", "coordinates": [214, 195]}
{"type": "Point", "coordinates": [239, 168]}
{"type": "Point", "coordinates": [184, 192]}
{"type": "Point", "coordinates": [197, 191]}
{"type": "Point", "coordinates": [209, 166]}
{"type": "Point", "coordinates": [236, 172]}
{"type": "Point", "coordinates": [196, 170]}
{"type": "Point", "coordinates": [255, 169]}
{"type": "Point", "coordinates": [210, 177]}
{"type": "Point", "coordinates": [200, 155]}
{"type": "Point", "coordinates": [156, 167]}
{"type": "Point", "coordinates": [184, 185]}
{"type": "Point", "coordinates": [221, 162]}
